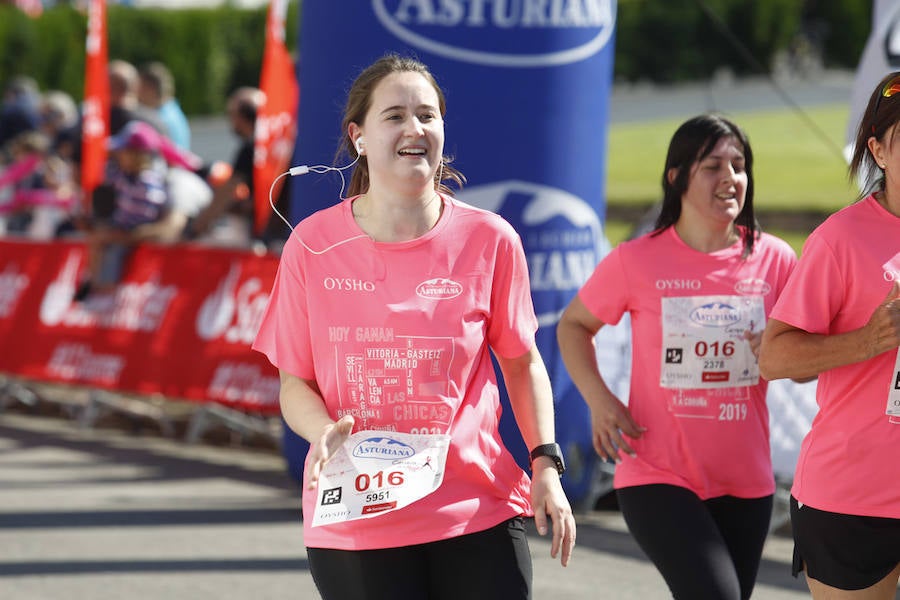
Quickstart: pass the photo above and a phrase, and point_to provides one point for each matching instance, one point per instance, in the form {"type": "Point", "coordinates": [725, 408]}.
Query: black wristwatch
{"type": "Point", "coordinates": [552, 451]}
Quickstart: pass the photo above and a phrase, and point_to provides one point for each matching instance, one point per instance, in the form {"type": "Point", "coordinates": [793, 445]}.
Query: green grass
{"type": "Point", "coordinates": [618, 231]}
{"type": "Point", "coordinates": [794, 168]}
{"type": "Point", "coordinates": [794, 238]}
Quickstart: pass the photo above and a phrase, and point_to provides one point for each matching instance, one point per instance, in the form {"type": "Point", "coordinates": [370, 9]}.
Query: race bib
{"type": "Point", "coordinates": [893, 404]}
{"type": "Point", "coordinates": [376, 472]}
{"type": "Point", "coordinates": [703, 343]}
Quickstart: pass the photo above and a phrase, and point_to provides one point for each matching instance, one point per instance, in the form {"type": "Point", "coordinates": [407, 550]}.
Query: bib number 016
{"type": "Point", "coordinates": [377, 480]}
{"type": "Point", "coordinates": [701, 348]}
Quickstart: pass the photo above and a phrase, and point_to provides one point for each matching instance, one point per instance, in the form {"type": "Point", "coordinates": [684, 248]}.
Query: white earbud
{"type": "Point", "coordinates": [359, 145]}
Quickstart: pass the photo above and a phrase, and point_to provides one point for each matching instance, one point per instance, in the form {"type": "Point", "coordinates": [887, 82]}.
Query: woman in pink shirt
{"type": "Point", "coordinates": [382, 321]}
{"type": "Point", "coordinates": [839, 318]}
{"type": "Point", "coordinates": [694, 476]}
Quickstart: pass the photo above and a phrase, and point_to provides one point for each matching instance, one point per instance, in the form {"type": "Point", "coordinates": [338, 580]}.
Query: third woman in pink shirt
{"type": "Point", "coordinates": [839, 318]}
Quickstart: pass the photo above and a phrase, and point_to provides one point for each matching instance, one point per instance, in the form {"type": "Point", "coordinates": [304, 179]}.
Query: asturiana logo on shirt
{"type": "Point", "coordinates": [752, 287]}
{"type": "Point", "coordinates": [715, 314]}
{"type": "Point", "coordinates": [439, 289]}
{"type": "Point", "coordinates": [384, 448]}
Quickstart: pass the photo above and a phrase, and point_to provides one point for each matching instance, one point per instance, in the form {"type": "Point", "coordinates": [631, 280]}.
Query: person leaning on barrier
{"type": "Point", "coordinates": [228, 219]}
{"type": "Point", "coordinates": [133, 204]}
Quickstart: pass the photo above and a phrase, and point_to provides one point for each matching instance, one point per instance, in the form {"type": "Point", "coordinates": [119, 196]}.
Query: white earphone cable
{"type": "Point", "coordinates": [303, 170]}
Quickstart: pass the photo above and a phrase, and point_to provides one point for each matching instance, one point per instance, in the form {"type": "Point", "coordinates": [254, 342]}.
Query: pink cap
{"type": "Point", "coordinates": [136, 135]}
{"type": "Point", "coordinates": [139, 135]}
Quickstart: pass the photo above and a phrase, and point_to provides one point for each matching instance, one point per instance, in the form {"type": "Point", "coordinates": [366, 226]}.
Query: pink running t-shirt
{"type": "Point", "coordinates": [399, 336]}
{"type": "Point", "coordinates": [848, 461]}
{"type": "Point", "coordinates": [713, 442]}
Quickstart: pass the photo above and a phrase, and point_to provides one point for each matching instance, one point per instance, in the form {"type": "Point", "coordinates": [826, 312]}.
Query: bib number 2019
{"type": "Point", "coordinates": [732, 412]}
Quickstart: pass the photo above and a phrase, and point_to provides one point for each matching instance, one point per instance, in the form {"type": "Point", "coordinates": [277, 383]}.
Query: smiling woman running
{"type": "Point", "coordinates": [382, 321]}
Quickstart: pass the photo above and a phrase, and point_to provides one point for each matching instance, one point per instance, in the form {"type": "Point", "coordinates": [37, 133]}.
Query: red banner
{"type": "Point", "coordinates": [180, 323]}
{"type": "Point", "coordinates": [276, 121]}
{"type": "Point", "coordinates": [95, 119]}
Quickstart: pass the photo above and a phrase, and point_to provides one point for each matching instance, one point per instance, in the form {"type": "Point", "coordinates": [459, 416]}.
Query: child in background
{"type": "Point", "coordinates": [38, 188]}
{"type": "Point", "coordinates": [132, 205]}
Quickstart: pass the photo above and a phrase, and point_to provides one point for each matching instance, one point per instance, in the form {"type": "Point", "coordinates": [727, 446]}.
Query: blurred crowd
{"type": "Point", "coordinates": [155, 189]}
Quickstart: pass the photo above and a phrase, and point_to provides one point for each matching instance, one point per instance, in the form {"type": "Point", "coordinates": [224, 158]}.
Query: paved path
{"type": "Point", "coordinates": [106, 514]}
{"type": "Point", "coordinates": [638, 102]}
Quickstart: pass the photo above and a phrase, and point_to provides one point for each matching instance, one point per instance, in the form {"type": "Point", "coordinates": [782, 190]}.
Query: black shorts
{"type": "Point", "coordinates": [487, 565]}
{"type": "Point", "coordinates": [848, 552]}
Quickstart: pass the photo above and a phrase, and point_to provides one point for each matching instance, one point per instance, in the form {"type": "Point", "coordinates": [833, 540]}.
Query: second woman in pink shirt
{"type": "Point", "coordinates": [694, 476]}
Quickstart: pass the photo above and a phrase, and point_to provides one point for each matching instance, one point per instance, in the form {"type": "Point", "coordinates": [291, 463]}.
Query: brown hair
{"type": "Point", "coordinates": [690, 144]}
{"type": "Point", "coordinates": [879, 121]}
{"type": "Point", "coordinates": [359, 100]}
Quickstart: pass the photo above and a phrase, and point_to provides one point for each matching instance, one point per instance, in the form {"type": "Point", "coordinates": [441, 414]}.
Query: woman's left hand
{"type": "Point", "coordinates": [548, 498]}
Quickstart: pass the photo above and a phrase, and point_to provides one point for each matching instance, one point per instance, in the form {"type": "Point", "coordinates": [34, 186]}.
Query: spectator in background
{"type": "Point", "coordinates": [59, 121]}
{"type": "Point", "coordinates": [38, 187]}
{"type": "Point", "coordinates": [156, 93]}
{"type": "Point", "coordinates": [123, 104]}
{"type": "Point", "coordinates": [123, 99]}
{"type": "Point", "coordinates": [19, 109]}
{"type": "Point", "coordinates": [133, 204]}
{"type": "Point", "coordinates": [228, 218]}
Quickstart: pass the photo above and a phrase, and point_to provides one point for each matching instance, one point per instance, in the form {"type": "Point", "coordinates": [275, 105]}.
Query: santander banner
{"type": "Point", "coordinates": [180, 323]}
{"type": "Point", "coordinates": [527, 85]}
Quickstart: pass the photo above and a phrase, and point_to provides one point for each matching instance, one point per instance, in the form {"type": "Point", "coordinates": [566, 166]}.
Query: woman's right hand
{"type": "Point", "coordinates": [883, 327]}
{"type": "Point", "coordinates": [610, 419]}
{"type": "Point", "coordinates": [333, 436]}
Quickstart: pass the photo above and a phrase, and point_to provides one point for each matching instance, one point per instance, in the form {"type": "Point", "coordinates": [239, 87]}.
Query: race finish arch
{"type": "Point", "coordinates": [527, 85]}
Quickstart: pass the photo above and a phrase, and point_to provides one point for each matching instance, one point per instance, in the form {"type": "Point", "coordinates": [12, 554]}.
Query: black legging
{"type": "Point", "coordinates": [704, 549]}
{"type": "Point", "coordinates": [489, 565]}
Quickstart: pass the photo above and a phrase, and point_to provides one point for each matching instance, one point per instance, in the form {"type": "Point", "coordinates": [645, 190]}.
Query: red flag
{"type": "Point", "coordinates": [276, 121]}
{"type": "Point", "coordinates": [95, 118]}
